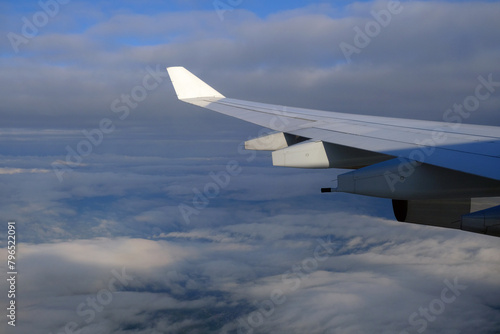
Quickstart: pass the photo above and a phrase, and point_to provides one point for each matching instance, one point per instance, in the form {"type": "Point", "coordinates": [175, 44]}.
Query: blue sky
{"type": "Point", "coordinates": [151, 7]}
{"type": "Point", "coordinates": [117, 210]}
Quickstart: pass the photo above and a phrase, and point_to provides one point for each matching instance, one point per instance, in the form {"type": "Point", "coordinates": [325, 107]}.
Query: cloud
{"type": "Point", "coordinates": [405, 71]}
{"type": "Point", "coordinates": [22, 171]}
{"type": "Point", "coordinates": [250, 258]}
{"type": "Point", "coordinates": [106, 252]}
{"type": "Point", "coordinates": [192, 280]}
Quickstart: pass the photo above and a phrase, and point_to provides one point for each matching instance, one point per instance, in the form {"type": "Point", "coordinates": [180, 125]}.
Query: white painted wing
{"type": "Point", "coordinates": [473, 149]}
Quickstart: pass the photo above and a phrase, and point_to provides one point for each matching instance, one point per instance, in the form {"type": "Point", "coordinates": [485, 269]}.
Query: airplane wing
{"type": "Point", "coordinates": [431, 170]}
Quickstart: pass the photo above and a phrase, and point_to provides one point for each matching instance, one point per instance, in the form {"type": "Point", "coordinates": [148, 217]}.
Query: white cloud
{"type": "Point", "coordinates": [377, 268]}
{"type": "Point", "coordinates": [118, 210]}
{"type": "Point", "coordinates": [9, 171]}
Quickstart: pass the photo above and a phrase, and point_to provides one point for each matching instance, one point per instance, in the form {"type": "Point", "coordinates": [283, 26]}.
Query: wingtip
{"type": "Point", "coordinates": [174, 67]}
{"type": "Point", "coordinates": [189, 86]}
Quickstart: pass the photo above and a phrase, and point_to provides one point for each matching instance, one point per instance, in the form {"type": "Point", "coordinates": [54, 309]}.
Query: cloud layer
{"type": "Point", "coordinates": [107, 250]}
{"type": "Point", "coordinates": [344, 273]}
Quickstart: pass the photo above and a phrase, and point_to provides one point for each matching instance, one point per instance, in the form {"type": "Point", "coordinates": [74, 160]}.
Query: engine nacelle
{"type": "Point", "coordinates": [484, 221]}
{"type": "Point", "coordinates": [404, 179]}
{"type": "Point", "coordinates": [440, 212]}
{"type": "Point", "coordinates": [448, 213]}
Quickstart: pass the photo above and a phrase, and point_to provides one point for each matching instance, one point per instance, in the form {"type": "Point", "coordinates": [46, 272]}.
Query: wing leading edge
{"type": "Point", "coordinates": [401, 159]}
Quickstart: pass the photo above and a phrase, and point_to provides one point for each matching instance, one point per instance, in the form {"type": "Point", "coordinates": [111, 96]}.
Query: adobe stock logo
{"type": "Point", "coordinates": [419, 321]}
{"type": "Point", "coordinates": [122, 107]}
{"type": "Point", "coordinates": [31, 27]}
{"type": "Point", "coordinates": [373, 28]}
{"type": "Point", "coordinates": [221, 7]}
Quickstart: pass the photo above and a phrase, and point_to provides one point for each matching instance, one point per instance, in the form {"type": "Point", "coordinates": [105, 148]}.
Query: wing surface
{"type": "Point", "coordinates": [473, 149]}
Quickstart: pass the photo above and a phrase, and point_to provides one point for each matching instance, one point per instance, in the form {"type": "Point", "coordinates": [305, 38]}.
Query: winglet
{"type": "Point", "coordinates": [189, 86]}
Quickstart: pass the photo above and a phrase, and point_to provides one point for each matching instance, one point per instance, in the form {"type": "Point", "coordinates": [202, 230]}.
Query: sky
{"type": "Point", "coordinates": [127, 218]}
